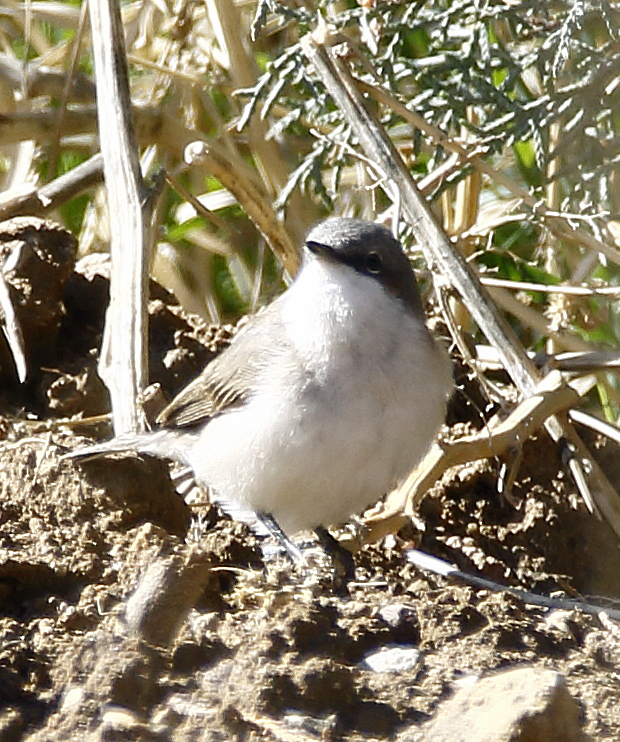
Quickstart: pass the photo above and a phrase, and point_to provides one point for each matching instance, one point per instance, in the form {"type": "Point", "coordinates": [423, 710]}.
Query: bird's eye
{"type": "Point", "coordinates": [373, 262]}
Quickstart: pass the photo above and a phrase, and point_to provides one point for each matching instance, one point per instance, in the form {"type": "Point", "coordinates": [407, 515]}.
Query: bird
{"type": "Point", "coordinates": [327, 397]}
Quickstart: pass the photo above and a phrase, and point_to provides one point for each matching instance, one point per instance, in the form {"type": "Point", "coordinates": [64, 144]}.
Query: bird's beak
{"type": "Point", "coordinates": [321, 251]}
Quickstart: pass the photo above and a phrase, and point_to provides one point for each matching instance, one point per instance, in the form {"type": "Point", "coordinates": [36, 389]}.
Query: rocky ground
{"type": "Point", "coordinates": [128, 613]}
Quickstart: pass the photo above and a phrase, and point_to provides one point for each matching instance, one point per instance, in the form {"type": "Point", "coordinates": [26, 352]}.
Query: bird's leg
{"type": "Point", "coordinates": [272, 525]}
{"type": "Point", "coordinates": [342, 557]}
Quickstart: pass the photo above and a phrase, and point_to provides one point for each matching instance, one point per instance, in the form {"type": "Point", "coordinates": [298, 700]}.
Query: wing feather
{"type": "Point", "coordinates": [228, 381]}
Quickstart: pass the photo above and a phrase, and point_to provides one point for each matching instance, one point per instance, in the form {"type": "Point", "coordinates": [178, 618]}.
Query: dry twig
{"type": "Point", "coordinates": [552, 396]}
{"type": "Point", "coordinates": [440, 567]}
{"type": "Point", "coordinates": [123, 362]}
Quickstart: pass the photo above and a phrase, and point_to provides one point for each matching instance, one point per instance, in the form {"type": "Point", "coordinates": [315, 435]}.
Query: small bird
{"type": "Point", "coordinates": [325, 399]}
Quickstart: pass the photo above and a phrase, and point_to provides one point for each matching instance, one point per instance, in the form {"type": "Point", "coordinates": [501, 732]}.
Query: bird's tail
{"type": "Point", "coordinates": [165, 444]}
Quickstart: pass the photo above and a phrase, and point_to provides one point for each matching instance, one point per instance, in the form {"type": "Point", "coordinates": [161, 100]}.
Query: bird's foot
{"type": "Point", "coordinates": [342, 560]}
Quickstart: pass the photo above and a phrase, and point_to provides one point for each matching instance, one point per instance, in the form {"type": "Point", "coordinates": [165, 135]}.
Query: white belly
{"type": "Point", "coordinates": [359, 418]}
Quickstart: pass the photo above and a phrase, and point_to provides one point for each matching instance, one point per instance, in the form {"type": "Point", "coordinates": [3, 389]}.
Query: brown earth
{"type": "Point", "coordinates": [129, 614]}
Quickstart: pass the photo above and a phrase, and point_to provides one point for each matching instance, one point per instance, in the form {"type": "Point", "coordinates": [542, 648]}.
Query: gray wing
{"type": "Point", "coordinates": [231, 377]}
